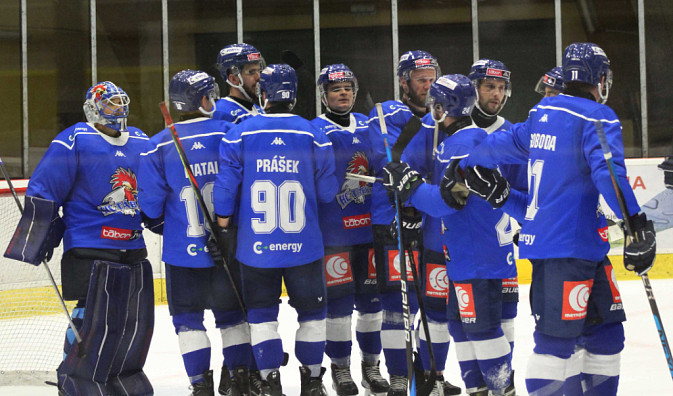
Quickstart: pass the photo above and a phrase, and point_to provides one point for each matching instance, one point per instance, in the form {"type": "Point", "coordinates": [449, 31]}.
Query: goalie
{"type": "Point", "coordinates": [89, 170]}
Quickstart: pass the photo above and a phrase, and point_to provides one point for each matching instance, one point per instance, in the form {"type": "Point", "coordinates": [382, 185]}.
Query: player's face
{"type": "Point", "coordinates": [340, 96]}
{"type": "Point", "coordinates": [491, 94]}
{"type": "Point", "coordinates": [419, 85]}
{"type": "Point", "coordinates": [113, 106]}
{"type": "Point", "coordinates": [250, 75]}
{"type": "Point", "coordinates": [549, 91]}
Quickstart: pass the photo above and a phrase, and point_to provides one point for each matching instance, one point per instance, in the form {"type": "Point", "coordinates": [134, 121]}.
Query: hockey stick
{"type": "Point", "coordinates": [607, 154]}
{"type": "Point", "coordinates": [44, 262]}
{"type": "Point", "coordinates": [362, 178]}
{"type": "Point", "coordinates": [406, 314]}
{"type": "Point", "coordinates": [199, 198]}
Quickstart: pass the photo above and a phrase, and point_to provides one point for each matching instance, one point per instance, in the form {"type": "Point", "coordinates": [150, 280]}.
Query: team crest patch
{"type": "Point", "coordinates": [437, 281]}
{"type": "Point", "coordinates": [338, 269]}
{"type": "Point", "coordinates": [575, 299]}
{"type": "Point", "coordinates": [465, 299]}
{"type": "Point", "coordinates": [354, 190]}
{"type": "Point", "coordinates": [394, 272]}
{"type": "Point", "coordinates": [124, 195]}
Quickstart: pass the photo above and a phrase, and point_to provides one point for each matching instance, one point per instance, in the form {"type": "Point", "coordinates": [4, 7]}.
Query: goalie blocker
{"type": "Point", "coordinates": [39, 231]}
{"type": "Point", "coordinates": [116, 333]}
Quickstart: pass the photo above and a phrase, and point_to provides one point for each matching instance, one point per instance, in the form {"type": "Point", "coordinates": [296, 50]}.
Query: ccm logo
{"type": "Point", "coordinates": [118, 234]}
{"type": "Point", "coordinates": [364, 220]}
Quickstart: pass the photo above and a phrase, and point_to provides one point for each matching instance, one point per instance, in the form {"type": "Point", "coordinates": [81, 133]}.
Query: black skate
{"type": "Point", "coordinates": [312, 386]}
{"type": "Point", "coordinates": [225, 382]}
{"type": "Point", "coordinates": [449, 389]}
{"type": "Point", "coordinates": [204, 388]}
{"type": "Point", "coordinates": [240, 382]}
{"type": "Point", "coordinates": [483, 391]}
{"type": "Point", "coordinates": [398, 385]}
{"type": "Point", "coordinates": [256, 384]}
{"type": "Point", "coordinates": [373, 381]}
{"type": "Point", "coordinates": [271, 386]}
{"type": "Point", "coordinates": [342, 382]}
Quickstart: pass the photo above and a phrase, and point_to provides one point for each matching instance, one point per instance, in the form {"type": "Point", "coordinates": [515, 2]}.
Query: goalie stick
{"type": "Point", "coordinates": [78, 338]}
{"type": "Point", "coordinates": [607, 154]}
{"type": "Point", "coordinates": [199, 198]}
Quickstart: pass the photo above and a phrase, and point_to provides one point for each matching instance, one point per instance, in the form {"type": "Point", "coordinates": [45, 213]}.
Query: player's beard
{"type": "Point", "coordinates": [251, 92]}
{"type": "Point", "coordinates": [415, 100]}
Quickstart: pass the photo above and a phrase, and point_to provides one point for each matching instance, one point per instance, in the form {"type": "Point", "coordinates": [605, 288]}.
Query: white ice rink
{"type": "Point", "coordinates": [644, 371]}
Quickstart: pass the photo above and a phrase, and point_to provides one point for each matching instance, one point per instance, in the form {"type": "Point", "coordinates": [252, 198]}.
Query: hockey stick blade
{"type": "Point", "coordinates": [607, 154]}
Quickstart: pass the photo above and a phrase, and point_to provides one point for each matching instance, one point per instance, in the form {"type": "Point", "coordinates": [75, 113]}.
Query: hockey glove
{"type": "Point", "coordinates": [489, 184]}
{"type": "Point", "coordinates": [219, 245]}
{"type": "Point", "coordinates": [667, 167]}
{"type": "Point", "coordinates": [452, 187]}
{"type": "Point", "coordinates": [412, 221]}
{"type": "Point", "coordinates": [154, 225]}
{"type": "Point", "coordinates": [639, 255]}
{"type": "Point", "coordinates": [399, 178]}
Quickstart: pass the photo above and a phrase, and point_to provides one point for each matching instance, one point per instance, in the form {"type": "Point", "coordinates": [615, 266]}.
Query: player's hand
{"type": "Point", "coordinates": [412, 221]}
{"type": "Point", "coordinates": [667, 167]}
{"type": "Point", "coordinates": [452, 187]}
{"type": "Point", "coordinates": [489, 184]}
{"type": "Point", "coordinates": [639, 255]}
{"type": "Point", "coordinates": [398, 177]}
{"type": "Point", "coordinates": [218, 245]}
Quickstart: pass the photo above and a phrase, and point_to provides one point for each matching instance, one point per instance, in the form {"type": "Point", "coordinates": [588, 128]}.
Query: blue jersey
{"type": "Point", "coordinates": [396, 114]}
{"type": "Point", "coordinates": [561, 213]}
{"type": "Point", "coordinates": [516, 174]}
{"type": "Point", "coordinates": [478, 238]}
{"type": "Point", "coordinates": [93, 177]}
{"type": "Point", "coordinates": [283, 166]}
{"type": "Point", "coordinates": [346, 220]}
{"type": "Point", "coordinates": [166, 190]}
{"type": "Point", "coordinates": [228, 109]}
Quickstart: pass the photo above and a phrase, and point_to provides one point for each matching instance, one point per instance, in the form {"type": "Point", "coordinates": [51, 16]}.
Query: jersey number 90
{"type": "Point", "coordinates": [281, 206]}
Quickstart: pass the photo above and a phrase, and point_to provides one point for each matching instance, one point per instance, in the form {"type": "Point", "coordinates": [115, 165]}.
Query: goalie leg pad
{"type": "Point", "coordinates": [115, 339]}
{"type": "Point", "coordinates": [39, 231]}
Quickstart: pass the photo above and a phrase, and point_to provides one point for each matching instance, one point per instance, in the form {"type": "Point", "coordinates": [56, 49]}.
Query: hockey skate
{"type": "Point", "coordinates": [240, 382]}
{"type": "Point", "coordinates": [204, 388]}
{"type": "Point", "coordinates": [449, 388]}
{"type": "Point", "coordinates": [312, 386]}
{"type": "Point", "coordinates": [224, 387]}
{"type": "Point", "coordinates": [373, 381]}
{"type": "Point", "coordinates": [256, 384]}
{"type": "Point", "coordinates": [342, 382]}
{"type": "Point", "coordinates": [483, 391]}
{"type": "Point", "coordinates": [269, 387]}
{"type": "Point", "coordinates": [398, 385]}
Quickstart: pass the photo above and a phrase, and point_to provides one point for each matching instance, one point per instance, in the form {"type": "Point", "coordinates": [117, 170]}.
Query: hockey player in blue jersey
{"type": "Point", "coordinates": [477, 243]}
{"type": "Point", "coordinates": [282, 166]}
{"type": "Point", "coordinates": [345, 223]}
{"type": "Point", "coordinates": [89, 170]}
{"type": "Point", "coordinates": [551, 83]}
{"type": "Point", "coordinates": [239, 65]}
{"type": "Point", "coordinates": [195, 282]}
{"type": "Point", "coordinates": [416, 70]}
{"type": "Point", "coordinates": [574, 296]}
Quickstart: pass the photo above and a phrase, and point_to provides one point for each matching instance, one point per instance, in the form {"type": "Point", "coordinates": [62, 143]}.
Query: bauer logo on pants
{"type": "Point", "coordinates": [394, 272]}
{"type": "Point", "coordinates": [436, 280]}
{"type": "Point", "coordinates": [338, 269]}
{"type": "Point", "coordinates": [575, 299]}
{"type": "Point", "coordinates": [510, 285]}
{"type": "Point", "coordinates": [465, 300]}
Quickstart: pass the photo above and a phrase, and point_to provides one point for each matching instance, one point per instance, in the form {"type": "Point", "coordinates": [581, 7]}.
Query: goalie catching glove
{"type": "Point", "coordinates": [452, 187]}
{"type": "Point", "coordinates": [639, 254]}
{"type": "Point", "coordinates": [489, 184]}
{"type": "Point", "coordinates": [399, 178]}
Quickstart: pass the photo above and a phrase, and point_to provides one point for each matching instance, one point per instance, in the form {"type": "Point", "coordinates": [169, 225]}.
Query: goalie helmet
{"type": "Point", "coordinates": [588, 63]}
{"type": "Point", "coordinates": [452, 95]}
{"type": "Point", "coordinates": [230, 60]}
{"type": "Point", "coordinates": [414, 60]}
{"type": "Point", "coordinates": [552, 79]}
{"type": "Point", "coordinates": [187, 87]}
{"type": "Point", "coordinates": [279, 83]}
{"type": "Point", "coordinates": [489, 68]}
{"type": "Point", "coordinates": [332, 74]}
{"type": "Point", "coordinates": [107, 104]}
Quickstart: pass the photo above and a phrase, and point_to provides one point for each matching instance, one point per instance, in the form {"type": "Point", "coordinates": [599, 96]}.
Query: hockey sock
{"type": "Point", "coordinates": [493, 356]}
{"type": "Point", "coordinates": [236, 347]}
{"type": "Point", "coordinates": [600, 368]}
{"type": "Point", "coordinates": [547, 367]}
{"type": "Point", "coordinates": [572, 384]}
{"type": "Point", "coordinates": [368, 326]}
{"type": "Point", "coordinates": [439, 335]}
{"type": "Point", "coordinates": [195, 350]}
{"type": "Point", "coordinates": [339, 341]}
{"type": "Point", "coordinates": [467, 359]}
{"type": "Point", "coordinates": [393, 331]}
{"type": "Point", "coordinates": [509, 310]}
{"type": "Point", "coordinates": [310, 338]}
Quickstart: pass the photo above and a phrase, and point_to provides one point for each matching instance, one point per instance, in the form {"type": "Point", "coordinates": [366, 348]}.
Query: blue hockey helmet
{"type": "Point", "coordinates": [188, 87]}
{"type": "Point", "coordinates": [491, 69]}
{"type": "Point", "coordinates": [588, 63]}
{"type": "Point", "coordinates": [230, 60]}
{"type": "Point", "coordinates": [107, 104]}
{"type": "Point", "coordinates": [451, 95]}
{"type": "Point", "coordinates": [414, 60]}
{"type": "Point", "coordinates": [279, 83]}
{"type": "Point", "coordinates": [332, 74]}
{"type": "Point", "coordinates": [552, 79]}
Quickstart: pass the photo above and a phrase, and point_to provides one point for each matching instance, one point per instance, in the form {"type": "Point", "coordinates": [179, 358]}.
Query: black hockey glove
{"type": "Point", "coordinates": [489, 184]}
{"type": "Point", "coordinates": [667, 167]}
{"type": "Point", "coordinates": [399, 178]}
{"type": "Point", "coordinates": [412, 221]}
{"type": "Point", "coordinates": [639, 256]}
{"type": "Point", "coordinates": [452, 187]}
{"type": "Point", "coordinates": [219, 245]}
{"type": "Point", "coordinates": [154, 225]}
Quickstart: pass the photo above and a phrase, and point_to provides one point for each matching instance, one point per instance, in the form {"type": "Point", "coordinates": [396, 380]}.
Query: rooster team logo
{"type": "Point", "coordinates": [355, 190]}
{"type": "Point", "coordinates": [98, 90]}
{"type": "Point", "coordinates": [123, 197]}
